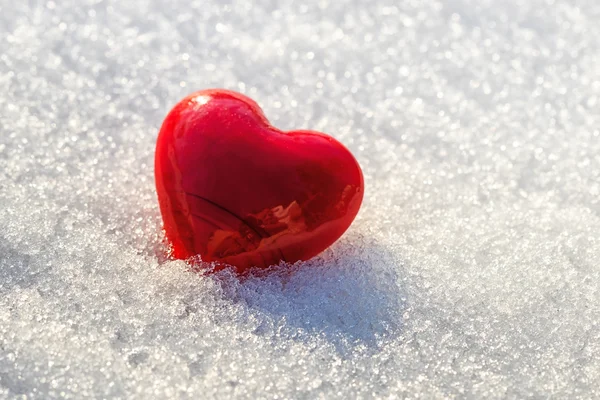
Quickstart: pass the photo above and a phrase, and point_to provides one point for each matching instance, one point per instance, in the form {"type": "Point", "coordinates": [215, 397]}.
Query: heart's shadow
{"type": "Point", "coordinates": [350, 296]}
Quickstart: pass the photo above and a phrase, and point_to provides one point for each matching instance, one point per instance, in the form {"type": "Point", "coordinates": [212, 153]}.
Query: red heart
{"type": "Point", "coordinates": [234, 189]}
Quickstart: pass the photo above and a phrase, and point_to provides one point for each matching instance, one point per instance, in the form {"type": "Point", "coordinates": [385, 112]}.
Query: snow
{"type": "Point", "coordinates": [472, 270]}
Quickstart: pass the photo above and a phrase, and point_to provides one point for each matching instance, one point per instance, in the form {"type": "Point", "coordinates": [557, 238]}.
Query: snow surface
{"type": "Point", "coordinates": [472, 271]}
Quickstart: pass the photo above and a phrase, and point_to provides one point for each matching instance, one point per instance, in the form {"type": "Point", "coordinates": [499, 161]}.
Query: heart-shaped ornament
{"type": "Point", "coordinates": [236, 190]}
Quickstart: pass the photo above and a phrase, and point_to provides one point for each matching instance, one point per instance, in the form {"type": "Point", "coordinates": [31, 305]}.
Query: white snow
{"type": "Point", "coordinates": [472, 271]}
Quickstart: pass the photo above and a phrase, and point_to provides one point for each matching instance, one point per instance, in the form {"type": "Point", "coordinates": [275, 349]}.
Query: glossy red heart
{"type": "Point", "coordinates": [236, 190]}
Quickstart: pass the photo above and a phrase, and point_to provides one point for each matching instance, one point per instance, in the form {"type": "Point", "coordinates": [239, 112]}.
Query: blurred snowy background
{"type": "Point", "coordinates": [472, 271]}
